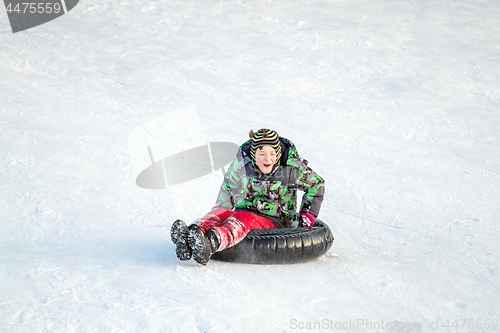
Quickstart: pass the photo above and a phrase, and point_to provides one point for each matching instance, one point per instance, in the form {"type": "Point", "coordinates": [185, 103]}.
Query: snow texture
{"type": "Point", "coordinates": [395, 103]}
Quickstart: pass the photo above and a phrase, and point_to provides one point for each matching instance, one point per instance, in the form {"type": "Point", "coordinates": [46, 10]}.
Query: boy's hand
{"type": "Point", "coordinates": [308, 219]}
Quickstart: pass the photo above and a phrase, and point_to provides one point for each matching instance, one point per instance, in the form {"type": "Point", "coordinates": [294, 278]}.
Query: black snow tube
{"type": "Point", "coordinates": [280, 246]}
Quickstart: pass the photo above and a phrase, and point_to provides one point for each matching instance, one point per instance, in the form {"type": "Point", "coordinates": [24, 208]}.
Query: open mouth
{"type": "Point", "coordinates": [267, 165]}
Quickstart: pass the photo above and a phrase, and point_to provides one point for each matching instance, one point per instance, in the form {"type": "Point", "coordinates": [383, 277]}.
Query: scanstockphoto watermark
{"type": "Point", "coordinates": [354, 324]}
{"type": "Point", "coordinates": [26, 14]}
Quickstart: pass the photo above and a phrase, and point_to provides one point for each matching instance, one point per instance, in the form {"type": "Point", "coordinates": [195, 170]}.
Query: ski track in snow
{"type": "Point", "coordinates": [395, 104]}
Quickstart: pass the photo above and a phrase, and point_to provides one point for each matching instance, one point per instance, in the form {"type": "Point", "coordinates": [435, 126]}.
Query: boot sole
{"type": "Point", "coordinates": [179, 236]}
{"type": "Point", "coordinates": [196, 244]}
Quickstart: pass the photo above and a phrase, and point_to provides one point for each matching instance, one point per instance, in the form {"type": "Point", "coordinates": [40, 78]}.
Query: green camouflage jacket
{"type": "Point", "coordinates": [273, 195]}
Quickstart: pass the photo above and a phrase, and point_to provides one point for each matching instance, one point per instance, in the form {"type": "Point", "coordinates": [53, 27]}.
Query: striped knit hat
{"type": "Point", "coordinates": [265, 137]}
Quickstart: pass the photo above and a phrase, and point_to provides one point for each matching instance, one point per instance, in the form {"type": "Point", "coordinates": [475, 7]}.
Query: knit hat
{"type": "Point", "coordinates": [265, 137]}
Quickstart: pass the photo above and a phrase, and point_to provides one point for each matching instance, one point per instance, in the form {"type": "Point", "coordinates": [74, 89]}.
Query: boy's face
{"type": "Point", "coordinates": [265, 158]}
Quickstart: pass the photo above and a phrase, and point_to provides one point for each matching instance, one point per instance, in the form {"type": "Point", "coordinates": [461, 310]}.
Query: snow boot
{"type": "Point", "coordinates": [179, 235]}
{"type": "Point", "coordinates": [203, 245]}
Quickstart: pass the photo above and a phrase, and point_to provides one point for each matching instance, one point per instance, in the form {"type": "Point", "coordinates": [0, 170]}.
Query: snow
{"type": "Point", "coordinates": [395, 103]}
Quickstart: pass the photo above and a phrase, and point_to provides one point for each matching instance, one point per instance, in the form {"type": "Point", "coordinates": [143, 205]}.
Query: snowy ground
{"type": "Point", "coordinates": [395, 103]}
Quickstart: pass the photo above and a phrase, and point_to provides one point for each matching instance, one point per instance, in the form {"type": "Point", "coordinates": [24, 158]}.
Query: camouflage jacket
{"type": "Point", "coordinates": [272, 195]}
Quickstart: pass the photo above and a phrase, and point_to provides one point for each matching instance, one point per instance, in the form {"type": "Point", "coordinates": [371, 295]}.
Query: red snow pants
{"type": "Point", "coordinates": [233, 226]}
